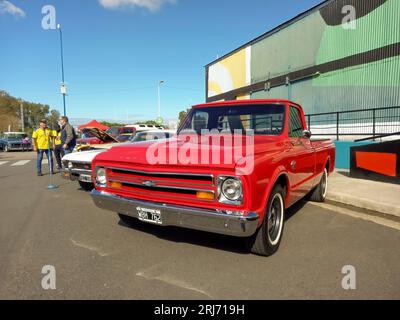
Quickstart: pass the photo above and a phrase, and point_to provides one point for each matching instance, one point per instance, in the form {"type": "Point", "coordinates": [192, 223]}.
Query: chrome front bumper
{"type": "Point", "coordinates": [180, 216]}
{"type": "Point", "coordinates": [74, 174]}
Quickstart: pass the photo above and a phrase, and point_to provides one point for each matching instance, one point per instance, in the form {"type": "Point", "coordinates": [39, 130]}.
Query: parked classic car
{"type": "Point", "coordinates": [287, 166]}
{"type": "Point", "coordinates": [78, 165]}
{"type": "Point", "coordinates": [14, 141]}
{"type": "Point", "coordinates": [93, 137]}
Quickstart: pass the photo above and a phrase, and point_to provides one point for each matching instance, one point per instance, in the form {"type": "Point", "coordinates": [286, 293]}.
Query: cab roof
{"type": "Point", "coordinates": [246, 102]}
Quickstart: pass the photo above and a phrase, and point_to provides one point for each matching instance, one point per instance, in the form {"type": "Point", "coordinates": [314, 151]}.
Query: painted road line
{"type": "Point", "coordinates": [20, 163]}
{"type": "Point", "coordinates": [3, 162]}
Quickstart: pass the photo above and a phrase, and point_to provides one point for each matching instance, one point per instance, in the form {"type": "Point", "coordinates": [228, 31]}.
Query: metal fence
{"type": "Point", "coordinates": [358, 125]}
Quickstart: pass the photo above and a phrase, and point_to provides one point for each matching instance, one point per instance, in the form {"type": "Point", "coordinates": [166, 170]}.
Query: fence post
{"type": "Point", "coordinates": [337, 126]}
{"type": "Point", "coordinates": [374, 123]}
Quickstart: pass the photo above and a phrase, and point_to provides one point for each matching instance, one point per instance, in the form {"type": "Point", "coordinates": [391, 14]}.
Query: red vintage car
{"type": "Point", "coordinates": [237, 193]}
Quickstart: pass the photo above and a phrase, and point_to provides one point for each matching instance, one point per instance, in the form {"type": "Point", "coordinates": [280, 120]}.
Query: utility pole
{"type": "Point", "coordinates": [159, 98]}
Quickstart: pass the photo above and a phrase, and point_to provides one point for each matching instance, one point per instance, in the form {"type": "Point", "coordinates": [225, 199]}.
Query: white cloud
{"type": "Point", "coordinates": [7, 7]}
{"type": "Point", "coordinates": [152, 5]}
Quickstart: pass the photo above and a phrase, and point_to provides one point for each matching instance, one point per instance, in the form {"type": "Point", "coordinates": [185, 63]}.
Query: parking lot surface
{"type": "Point", "coordinates": [98, 257]}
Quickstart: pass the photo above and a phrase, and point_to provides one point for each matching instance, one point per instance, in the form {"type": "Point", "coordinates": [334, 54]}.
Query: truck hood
{"type": "Point", "coordinates": [86, 156]}
{"type": "Point", "coordinates": [103, 136]}
{"type": "Point", "coordinates": [150, 153]}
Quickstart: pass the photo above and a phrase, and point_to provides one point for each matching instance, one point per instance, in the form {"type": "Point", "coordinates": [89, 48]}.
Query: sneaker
{"type": "Point", "coordinates": [40, 174]}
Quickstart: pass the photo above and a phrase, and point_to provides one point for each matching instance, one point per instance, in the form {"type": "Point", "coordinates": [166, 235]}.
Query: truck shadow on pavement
{"type": "Point", "coordinates": [202, 238]}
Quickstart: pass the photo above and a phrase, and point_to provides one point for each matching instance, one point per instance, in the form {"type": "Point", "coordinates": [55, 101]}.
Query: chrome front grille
{"type": "Point", "coordinates": [206, 178]}
{"type": "Point", "coordinates": [84, 166]}
{"type": "Point", "coordinates": [161, 184]}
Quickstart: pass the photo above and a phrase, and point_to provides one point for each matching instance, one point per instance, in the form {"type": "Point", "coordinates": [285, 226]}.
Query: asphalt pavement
{"type": "Point", "coordinates": [98, 257]}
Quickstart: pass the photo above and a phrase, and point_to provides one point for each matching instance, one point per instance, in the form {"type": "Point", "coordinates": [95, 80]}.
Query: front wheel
{"type": "Point", "coordinates": [268, 237]}
{"type": "Point", "coordinates": [86, 186]}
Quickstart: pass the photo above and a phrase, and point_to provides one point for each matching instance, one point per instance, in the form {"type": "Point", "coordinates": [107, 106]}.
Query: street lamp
{"type": "Point", "coordinates": [63, 87]}
{"type": "Point", "coordinates": [159, 98]}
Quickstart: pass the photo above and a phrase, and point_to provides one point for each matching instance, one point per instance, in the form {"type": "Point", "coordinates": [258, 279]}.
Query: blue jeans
{"type": "Point", "coordinates": [40, 158]}
{"type": "Point", "coordinates": [68, 150]}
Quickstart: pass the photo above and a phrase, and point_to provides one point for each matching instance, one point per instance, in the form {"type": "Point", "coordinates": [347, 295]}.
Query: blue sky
{"type": "Point", "coordinates": [116, 51]}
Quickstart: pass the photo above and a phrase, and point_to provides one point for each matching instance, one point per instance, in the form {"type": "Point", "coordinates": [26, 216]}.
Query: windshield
{"type": "Point", "coordinates": [124, 137]}
{"type": "Point", "coordinates": [127, 130]}
{"type": "Point", "coordinates": [262, 119]}
{"type": "Point", "coordinates": [150, 136]}
{"type": "Point", "coordinates": [15, 136]}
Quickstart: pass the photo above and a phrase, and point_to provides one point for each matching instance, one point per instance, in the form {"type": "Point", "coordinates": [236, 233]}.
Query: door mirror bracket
{"type": "Point", "coordinates": [307, 134]}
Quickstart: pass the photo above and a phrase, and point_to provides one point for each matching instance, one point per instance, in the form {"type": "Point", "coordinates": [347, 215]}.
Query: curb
{"type": "Point", "coordinates": [363, 203]}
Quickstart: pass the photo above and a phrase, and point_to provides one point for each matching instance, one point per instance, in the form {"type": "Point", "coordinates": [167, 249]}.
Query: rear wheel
{"type": "Point", "coordinates": [268, 237]}
{"type": "Point", "coordinates": [86, 186]}
{"type": "Point", "coordinates": [129, 221]}
{"type": "Point", "coordinates": [320, 191]}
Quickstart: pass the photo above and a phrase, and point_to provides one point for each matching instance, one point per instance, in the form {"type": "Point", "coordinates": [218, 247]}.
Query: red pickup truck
{"type": "Point", "coordinates": [244, 196]}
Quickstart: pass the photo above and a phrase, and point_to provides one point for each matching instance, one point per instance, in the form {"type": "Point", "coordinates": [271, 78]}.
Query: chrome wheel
{"type": "Point", "coordinates": [324, 184]}
{"type": "Point", "coordinates": [275, 219]}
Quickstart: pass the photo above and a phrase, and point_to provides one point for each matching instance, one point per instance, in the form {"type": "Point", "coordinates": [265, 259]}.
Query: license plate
{"type": "Point", "coordinates": [85, 178]}
{"type": "Point", "coordinates": [149, 215]}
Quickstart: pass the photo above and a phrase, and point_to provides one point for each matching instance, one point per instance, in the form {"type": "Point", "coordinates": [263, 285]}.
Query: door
{"type": "Point", "coordinates": [301, 163]}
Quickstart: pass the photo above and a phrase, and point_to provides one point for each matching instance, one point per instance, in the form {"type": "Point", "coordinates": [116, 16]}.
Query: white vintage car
{"type": "Point", "coordinates": [78, 165]}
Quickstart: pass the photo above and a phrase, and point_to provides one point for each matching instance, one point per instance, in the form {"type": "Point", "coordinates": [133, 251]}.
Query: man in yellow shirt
{"type": "Point", "coordinates": [41, 144]}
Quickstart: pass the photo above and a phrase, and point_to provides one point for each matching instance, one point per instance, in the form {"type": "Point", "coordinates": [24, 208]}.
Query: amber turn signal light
{"type": "Point", "coordinates": [203, 195]}
{"type": "Point", "coordinates": [116, 185]}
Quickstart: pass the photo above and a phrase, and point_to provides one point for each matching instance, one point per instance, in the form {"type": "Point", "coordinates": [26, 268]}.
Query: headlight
{"type": "Point", "coordinates": [230, 190]}
{"type": "Point", "coordinates": [70, 165]}
{"type": "Point", "coordinates": [101, 177]}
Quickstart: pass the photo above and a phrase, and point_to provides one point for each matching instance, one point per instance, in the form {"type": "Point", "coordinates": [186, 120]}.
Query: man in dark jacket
{"type": "Point", "coordinates": [68, 135]}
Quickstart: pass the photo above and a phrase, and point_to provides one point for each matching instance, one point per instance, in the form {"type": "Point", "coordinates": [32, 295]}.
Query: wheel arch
{"type": "Point", "coordinates": [328, 164]}
{"type": "Point", "coordinates": [279, 177]}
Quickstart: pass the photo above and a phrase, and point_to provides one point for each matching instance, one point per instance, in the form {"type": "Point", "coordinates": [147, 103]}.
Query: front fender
{"type": "Point", "coordinates": [263, 187]}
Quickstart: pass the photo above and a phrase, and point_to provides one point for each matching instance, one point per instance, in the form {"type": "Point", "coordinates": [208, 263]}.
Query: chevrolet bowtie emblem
{"type": "Point", "coordinates": [149, 183]}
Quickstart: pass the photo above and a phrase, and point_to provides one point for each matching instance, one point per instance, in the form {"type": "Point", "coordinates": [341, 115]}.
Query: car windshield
{"type": "Point", "coordinates": [149, 136]}
{"type": "Point", "coordinates": [124, 137]}
{"type": "Point", "coordinates": [127, 130]}
{"type": "Point", "coordinates": [267, 119]}
{"type": "Point", "coordinates": [15, 136]}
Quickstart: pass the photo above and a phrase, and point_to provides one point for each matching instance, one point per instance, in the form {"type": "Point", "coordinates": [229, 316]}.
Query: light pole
{"type": "Point", "coordinates": [159, 98]}
{"type": "Point", "coordinates": [63, 87]}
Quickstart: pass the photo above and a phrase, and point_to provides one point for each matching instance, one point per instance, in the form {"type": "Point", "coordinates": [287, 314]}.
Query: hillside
{"type": "Point", "coordinates": [10, 113]}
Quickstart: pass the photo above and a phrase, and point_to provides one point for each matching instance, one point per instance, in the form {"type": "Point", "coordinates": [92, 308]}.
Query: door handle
{"type": "Point", "coordinates": [293, 164]}
{"type": "Point", "coordinates": [296, 143]}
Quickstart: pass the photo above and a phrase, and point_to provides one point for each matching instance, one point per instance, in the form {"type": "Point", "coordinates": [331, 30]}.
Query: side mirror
{"type": "Point", "coordinates": [307, 134]}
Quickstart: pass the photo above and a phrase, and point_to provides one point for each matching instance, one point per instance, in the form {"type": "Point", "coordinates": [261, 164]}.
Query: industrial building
{"type": "Point", "coordinates": [340, 60]}
{"type": "Point", "coordinates": [321, 59]}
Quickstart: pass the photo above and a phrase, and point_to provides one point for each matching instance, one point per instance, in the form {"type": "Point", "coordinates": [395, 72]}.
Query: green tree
{"type": "Point", "coordinates": [52, 119]}
{"type": "Point", "coordinates": [10, 113]}
{"type": "Point", "coordinates": [112, 124]}
{"type": "Point", "coordinates": [148, 122]}
{"type": "Point", "coordinates": [182, 116]}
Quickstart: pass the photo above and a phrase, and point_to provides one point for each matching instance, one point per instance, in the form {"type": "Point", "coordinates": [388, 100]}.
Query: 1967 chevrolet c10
{"type": "Point", "coordinates": [218, 195]}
